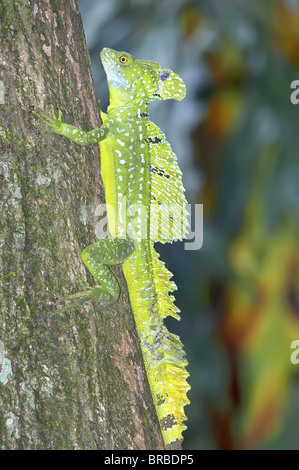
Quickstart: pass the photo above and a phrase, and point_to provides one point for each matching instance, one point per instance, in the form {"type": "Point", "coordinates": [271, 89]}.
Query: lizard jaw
{"type": "Point", "coordinates": [113, 71]}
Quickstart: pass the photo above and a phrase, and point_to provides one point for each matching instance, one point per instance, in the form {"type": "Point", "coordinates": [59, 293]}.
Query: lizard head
{"type": "Point", "coordinates": [131, 79]}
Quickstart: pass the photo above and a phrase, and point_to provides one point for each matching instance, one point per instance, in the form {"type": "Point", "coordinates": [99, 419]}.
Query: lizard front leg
{"type": "Point", "coordinates": [73, 133]}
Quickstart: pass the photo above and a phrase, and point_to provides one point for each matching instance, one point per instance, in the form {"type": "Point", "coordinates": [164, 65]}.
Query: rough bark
{"type": "Point", "coordinates": [72, 380]}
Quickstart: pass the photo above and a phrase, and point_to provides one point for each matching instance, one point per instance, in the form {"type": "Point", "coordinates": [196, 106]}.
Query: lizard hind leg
{"type": "Point", "coordinates": [96, 258]}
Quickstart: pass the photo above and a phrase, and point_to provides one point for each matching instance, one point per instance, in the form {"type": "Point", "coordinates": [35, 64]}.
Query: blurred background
{"type": "Point", "coordinates": [236, 135]}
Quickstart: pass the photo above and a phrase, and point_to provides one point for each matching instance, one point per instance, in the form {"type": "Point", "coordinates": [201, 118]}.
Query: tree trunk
{"type": "Point", "coordinates": [70, 380]}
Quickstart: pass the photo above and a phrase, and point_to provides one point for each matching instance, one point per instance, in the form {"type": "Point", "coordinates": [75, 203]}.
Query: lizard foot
{"type": "Point", "coordinates": [97, 294]}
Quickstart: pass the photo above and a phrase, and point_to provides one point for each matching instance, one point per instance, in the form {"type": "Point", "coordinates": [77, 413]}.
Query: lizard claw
{"type": "Point", "coordinates": [54, 122]}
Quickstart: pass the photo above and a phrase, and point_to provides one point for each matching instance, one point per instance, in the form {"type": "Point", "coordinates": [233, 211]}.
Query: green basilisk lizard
{"type": "Point", "coordinates": [144, 190]}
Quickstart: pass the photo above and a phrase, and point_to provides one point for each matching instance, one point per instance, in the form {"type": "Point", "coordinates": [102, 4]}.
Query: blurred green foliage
{"type": "Point", "coordinates": [236, 136]}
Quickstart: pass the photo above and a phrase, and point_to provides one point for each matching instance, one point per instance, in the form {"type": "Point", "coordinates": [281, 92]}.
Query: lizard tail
{"type": "Point", "coordinates": [163, 352]}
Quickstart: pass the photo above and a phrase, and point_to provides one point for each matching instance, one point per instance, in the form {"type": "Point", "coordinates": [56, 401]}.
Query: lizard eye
{"type": "Point", "coordinates": [123, 59]}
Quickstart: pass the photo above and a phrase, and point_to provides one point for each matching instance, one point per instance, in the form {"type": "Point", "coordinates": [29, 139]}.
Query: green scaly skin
{"type": "Point", "coordinates": [139, 171]}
